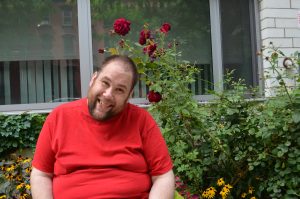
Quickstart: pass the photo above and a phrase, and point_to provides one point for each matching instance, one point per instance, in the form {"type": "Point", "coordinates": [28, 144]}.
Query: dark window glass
{"type": "Point", "coordinates": [237, 41]}
{"type": "Point", "coordinates": [190, 25]}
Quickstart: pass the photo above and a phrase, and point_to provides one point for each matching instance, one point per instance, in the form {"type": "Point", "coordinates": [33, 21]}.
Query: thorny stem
{"type": "Point", "coordinates": [283, 82]}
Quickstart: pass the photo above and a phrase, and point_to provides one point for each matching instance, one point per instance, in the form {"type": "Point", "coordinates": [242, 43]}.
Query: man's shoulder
{"type": "Point", "coordinates": [140, 113]}
{"type": "Point", "coordinates": [136, 109]}
{"type": "Point", "coordinates": [70, 106]}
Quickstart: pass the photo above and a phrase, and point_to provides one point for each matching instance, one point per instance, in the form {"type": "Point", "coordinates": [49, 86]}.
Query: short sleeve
{"type": "Point", "coordinates": [44, 156]}
{"type": "Point", "coordinates": [155, 150]}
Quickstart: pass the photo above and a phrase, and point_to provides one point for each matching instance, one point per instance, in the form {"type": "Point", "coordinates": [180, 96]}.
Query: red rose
{"type": "Point", "coordinates": [142, 40]}
{"type": "Point", "coordinates": [144, 35]}
{"type": "Point", "coordinates": [154, 96]}
{"type": "Point", "coordinates": [150, 49]}
{"type": "Point", "coordinates": [122, 26]}
{"type": "Point", "coordinates": [101, 50]}
{"type": "Point", "coordinates": [165, 28]}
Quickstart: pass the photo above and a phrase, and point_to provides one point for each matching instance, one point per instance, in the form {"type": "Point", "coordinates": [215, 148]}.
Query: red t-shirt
{"type": "Point", "coordinates": [93, 159]}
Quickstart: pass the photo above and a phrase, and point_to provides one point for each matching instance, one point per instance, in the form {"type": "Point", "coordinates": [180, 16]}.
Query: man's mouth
{"type": "Point", "coordinates": [104, 106]}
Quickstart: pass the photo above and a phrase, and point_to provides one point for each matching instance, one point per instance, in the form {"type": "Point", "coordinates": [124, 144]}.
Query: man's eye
{"type": "Point", "coordinates": [105, 83]}
{"type": "Point", "coordinates": [119, 90]}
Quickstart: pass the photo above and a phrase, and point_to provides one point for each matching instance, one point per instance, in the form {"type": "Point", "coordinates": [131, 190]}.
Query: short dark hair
{"type": "Point", "coordinates": [128, 62]}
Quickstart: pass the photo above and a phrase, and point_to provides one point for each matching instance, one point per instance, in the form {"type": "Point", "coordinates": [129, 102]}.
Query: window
{"type": "Point", "coordinates": [215, 35]}
{"type": "Point", "coordinates": [238, 44]}
{"type": "Point", "coordinates": [190, 21]}
{"type": "Point", "coordinates": [40, 64]}
{"type": "Point", "coordinates": [67, 17]}
{"type": "Point", "coordinates": [37, 63]}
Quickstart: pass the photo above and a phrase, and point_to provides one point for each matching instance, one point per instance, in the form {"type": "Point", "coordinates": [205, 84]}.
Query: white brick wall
{"type": "Point", "coordinates": [278, 23]}
{"type": "Point", "coordinates": [280, 42]}
{"type": "Point", "coordinates": [296, 42]}
{"type": "Point", "coordinates": [285, 23]}
{"type": "Point", "coordinates": [268, 23]}
{"type": "Point", "coordinates": [295, 3]}
{"type": "Point", "coordinates": [275, 4]}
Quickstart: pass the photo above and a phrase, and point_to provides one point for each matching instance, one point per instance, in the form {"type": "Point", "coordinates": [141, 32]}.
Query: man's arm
{"type": "Point", "coordinates": [41, 184]}
{"type": "Point", "coordinates": [163, 186]}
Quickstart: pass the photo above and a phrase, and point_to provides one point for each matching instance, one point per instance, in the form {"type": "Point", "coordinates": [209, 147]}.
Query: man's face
{"type": "Point", "coordinates": [109, 91]}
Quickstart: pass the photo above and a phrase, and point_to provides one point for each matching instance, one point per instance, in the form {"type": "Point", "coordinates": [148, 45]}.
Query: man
{"type": "Point", "coordinates": [102, 146]}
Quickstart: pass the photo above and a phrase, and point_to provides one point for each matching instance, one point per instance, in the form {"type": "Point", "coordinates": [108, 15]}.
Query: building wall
{"type": "Point", "coordinates": [279, 25]}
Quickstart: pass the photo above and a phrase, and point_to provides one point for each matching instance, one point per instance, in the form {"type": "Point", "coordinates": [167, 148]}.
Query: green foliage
{"type": "Point", "coordinates": [253, 144]}
{"type": "Point", "coordinates": [19, 131]}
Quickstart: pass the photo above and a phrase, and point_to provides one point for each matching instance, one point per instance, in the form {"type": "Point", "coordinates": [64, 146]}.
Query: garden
{"type": "Point", "coordinates": [240, 144]}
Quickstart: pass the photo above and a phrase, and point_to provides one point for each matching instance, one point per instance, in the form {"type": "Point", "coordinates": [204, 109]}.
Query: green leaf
{"type": "Point", "coordinates": [296, 117]}
{"type": "Point", "coordinates": [178, 196]}
{"type": "Point", "coordinates": [113, 51]}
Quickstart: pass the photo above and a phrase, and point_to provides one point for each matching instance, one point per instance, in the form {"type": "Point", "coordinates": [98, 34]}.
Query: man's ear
{"type": "Point", "coordinates": [130, 95]}
{"type": "Point", "coordinates": [95, 75]}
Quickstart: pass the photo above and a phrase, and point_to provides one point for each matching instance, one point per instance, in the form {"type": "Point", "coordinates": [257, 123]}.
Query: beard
{"type": "Point", "coordinates": [98, 114]}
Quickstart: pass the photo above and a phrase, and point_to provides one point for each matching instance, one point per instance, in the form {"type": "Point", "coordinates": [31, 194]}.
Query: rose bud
{"type": "Point", "coordinates": [122, 43]}
{"type": "Point", "coordinates": [144, 35]}
{"type": "Point", "coordinates": [165, 28]}
{"type": "Point", "coordinates": [101, 50]}
{"type": "Point", "coordinates": [154, 96]}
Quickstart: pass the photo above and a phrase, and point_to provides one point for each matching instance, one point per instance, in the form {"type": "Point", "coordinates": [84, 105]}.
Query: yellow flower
{"type": "Point", "coordinates": [225, 191]}
{"type": "Point", "coordinates": [19, 178]}
{"type": "Point", "coordinates": [209, 193]}
{"type": "Point", "coordinates": [252, 197]}
{"type": "Point", "coordinates": [9, 176]}
{"type": "Point", "coordinates": [27, 186]}
{"type": "Point", "coordinates": [26, 160]}
{"type": "Point", "coordinates": [10, 168]}
{"type": "Point", "coordinates": [220, 182]}
{"type": "Point", "coordinates": [19, 159]}
{"type": "Point", "coordinates": [20, 186]}
{"type": "Point", "coordinates": [243, 195]}
{"type": "Point", "coordinates": [2, 196]}
{"type": "Point", "coordinates": [228, 186]}
{"type": "Point", "coordinates": [205, 194]}
{"type": "Point", "coordinates": [24, 196]}
{"type": "Point", "coordinates": [3, 168]}
{"type": "Point", "coordinates": [250, 190]}
{"type": "Point", "coordinates": [28, 170]}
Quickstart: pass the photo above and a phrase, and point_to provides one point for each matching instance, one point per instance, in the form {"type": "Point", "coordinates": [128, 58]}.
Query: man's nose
{"type": "Point", "coordinates": [108, 93]}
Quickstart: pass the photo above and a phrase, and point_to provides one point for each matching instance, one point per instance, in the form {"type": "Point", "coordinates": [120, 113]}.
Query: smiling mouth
{"type": "Point", "coordinates": [103, 105]}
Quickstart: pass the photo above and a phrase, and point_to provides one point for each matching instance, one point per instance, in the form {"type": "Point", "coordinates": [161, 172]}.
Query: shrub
{"type": "Point", "coordinates": [248, 143]}
{"type": "Point", "coordinates": [19, 131]}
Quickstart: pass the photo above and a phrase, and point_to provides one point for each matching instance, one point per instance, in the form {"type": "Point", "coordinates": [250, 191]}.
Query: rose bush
{"type": "Point", "coordinates": [247, 143]}
{"type": "Point", "coordinates": [157, 59]}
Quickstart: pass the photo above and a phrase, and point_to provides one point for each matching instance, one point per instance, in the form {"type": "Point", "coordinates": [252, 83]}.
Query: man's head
{"type": "Point", "coordinates": [111, 87]}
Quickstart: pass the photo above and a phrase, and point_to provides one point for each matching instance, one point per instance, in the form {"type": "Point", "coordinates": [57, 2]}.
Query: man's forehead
{"type": "Point", "coordinates": [117, 64]}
